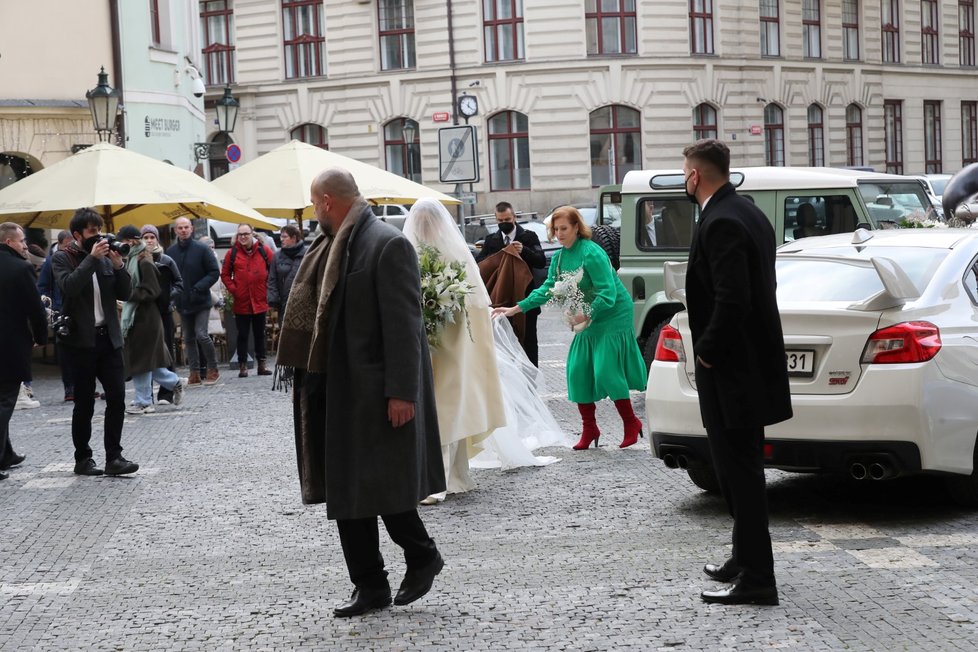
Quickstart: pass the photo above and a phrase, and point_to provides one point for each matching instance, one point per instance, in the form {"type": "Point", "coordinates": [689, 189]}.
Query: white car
{"type": "Point", "coordinates": [881, 343]}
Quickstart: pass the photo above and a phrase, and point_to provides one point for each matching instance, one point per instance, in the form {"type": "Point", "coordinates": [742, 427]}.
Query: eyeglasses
{"type": "Point", "coordinates": [244, 235]}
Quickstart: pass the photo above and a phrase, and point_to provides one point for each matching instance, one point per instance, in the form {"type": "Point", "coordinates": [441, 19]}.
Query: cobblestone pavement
{"type": "Point", "coordinates": [208, 547]}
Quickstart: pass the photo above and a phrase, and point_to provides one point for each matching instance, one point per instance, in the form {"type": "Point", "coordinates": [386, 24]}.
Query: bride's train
{"type": "Point", "coordinates": [529, 423]}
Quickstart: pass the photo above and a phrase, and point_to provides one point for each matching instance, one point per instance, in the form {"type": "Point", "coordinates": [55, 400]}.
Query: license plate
{"type": "Point", "coordinates": [800, 363]}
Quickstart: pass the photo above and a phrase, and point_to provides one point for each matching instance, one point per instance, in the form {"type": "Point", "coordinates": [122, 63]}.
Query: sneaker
{"type": "Point", "coordinates": [87, 467]}
{"type": "Point", "coordinates": [25, 402]}
{"type": "Point", "coordinates": [212, 376]}
{"type": "Point", "coordinates": [140, 409]}
{"type": "Point", "coordinates": [29, 390]}
{"type": "Point", "coordinates": [120, 466]}
{"type": "Point", "coordinates": [178, 391]}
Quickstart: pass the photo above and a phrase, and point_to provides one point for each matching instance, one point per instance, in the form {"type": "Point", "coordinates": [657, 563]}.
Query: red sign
{"type": "Point", "coordinates": [755, 130]}
{"type": "Point", "coordinates": [440, 116]}
{"type": "Point", "coordinates": [233, 153]}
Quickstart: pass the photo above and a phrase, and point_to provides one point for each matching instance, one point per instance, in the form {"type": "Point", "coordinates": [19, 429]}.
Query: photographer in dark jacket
{"type": "Point", "coordinates": [200, 271]}
{"type": "Point", "coordinates": [92, 277]}
{"type": "Point", "coordinates": [527, 245]}
{"type": "Point", "coordinates": [22, 324]}
{"type": "Point", "coordinates": [47, 287]}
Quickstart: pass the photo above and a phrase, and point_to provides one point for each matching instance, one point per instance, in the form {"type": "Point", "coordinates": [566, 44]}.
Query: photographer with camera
{"type": "Point", "coordinates": [48, 288]}
{"type": "Point", "coordinates": [92, 276]}
{"type": "Point", "coordinates": [23, 323]}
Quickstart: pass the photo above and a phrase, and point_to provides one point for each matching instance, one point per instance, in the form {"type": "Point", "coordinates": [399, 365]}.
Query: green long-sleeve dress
{"type": "Point", "coordinates": [604, 360]}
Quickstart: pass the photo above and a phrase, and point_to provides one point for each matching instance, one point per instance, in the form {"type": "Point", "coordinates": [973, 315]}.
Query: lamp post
{"type": "Point", "coordinates": [227, 115]}
{"type": "Point", "coordinates": [410, 133]}
{"type": "Point", "coordinates": [103, 100]}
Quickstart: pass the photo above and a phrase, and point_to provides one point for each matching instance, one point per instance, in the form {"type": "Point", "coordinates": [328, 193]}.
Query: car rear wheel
{"type": "Point", "coordinates": [705, 478]}
{"type": "Point", "coordinates": [964, 488]}
{"type": "Point", "coordinates": [648, 349]}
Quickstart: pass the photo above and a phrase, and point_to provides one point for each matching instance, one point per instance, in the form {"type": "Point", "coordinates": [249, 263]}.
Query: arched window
{"type": "Point", "coordinates": [773, 135]}
{"type": "Point", "coordinates": [311, 134]}
{"type": "Point", "coordinates": [704, 122]}
{"type": "Point", "coordinates": [616, 143]}
{"type": "Point", "coordinates": [816, 136]}
{"type": "Point", "coordinates": [402, 148]}
{"type": "Point", "coordinates": [509, 151]}
{"type": "Point", "coordinates": [854, 135]}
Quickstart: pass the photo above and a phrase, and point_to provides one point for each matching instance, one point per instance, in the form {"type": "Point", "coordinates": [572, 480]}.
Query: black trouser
{"type": "Point", "coordinates": [361, 546]}
{"type": "Point", "coordinates": [256, 324]}
{"type": "Point", "coordinates": [66, 378]}
{"type": "Point", "coordinates": [105, 363]}
{"type": "Point", "coordinates": [530, 337]}
{"type": "Point", "coordinates": [738, 457]}
{"type": "Point", "coordinates": [9, 390]}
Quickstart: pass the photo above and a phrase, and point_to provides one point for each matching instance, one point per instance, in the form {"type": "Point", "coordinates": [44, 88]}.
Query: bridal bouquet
{"type": "Point", "coordinates": [443, 291]}
{"type": "Point", "coordinates": [566, 294]}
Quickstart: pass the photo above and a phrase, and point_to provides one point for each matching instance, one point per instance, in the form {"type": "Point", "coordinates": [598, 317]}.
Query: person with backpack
{"type": "Point", "coordinates": [245, 275]}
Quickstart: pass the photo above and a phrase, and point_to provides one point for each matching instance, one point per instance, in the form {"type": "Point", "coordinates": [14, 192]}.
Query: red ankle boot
{"type": "Point", "coordinates": [633, 427]}
{"type": "Point", "coordinates": [590, 432]}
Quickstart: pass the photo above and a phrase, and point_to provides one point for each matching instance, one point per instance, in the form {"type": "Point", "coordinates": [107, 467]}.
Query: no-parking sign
{"type": "Point", "coordinates": [233, 153]}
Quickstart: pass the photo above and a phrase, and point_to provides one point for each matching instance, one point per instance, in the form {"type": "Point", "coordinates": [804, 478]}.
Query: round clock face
{"type": "Point", "coordinates": [468, 105]}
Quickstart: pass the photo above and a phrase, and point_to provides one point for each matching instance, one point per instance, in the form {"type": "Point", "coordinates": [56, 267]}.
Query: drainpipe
{"type": "Point", "coordinates": [117, 69]}
{"type": "Point", "coordinates": [451, 61]}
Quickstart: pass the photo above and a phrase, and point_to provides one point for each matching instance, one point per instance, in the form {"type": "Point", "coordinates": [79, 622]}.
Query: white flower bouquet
{"type": "Point", "coordinates": [443, 291]}
{"type": "Point", "coordinates": [566, 294]}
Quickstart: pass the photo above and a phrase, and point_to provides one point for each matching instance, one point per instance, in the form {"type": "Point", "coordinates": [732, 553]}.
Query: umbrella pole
{"type": "Point", "coordinates": [298, 220]}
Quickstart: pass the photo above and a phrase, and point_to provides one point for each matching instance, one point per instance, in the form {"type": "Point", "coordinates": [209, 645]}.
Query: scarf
{"type": "Point", "coordinates": [129, 307]}
{"type": "Point", "coordinates": [304, 340]}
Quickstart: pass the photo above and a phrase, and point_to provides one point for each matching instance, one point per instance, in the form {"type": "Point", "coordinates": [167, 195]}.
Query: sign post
{"type": "Point", "coordinates": [458, 154]}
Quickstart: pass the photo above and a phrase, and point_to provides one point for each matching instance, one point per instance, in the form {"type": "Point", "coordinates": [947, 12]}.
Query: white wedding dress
{"type": "Point", "coordinates": [529, 423]}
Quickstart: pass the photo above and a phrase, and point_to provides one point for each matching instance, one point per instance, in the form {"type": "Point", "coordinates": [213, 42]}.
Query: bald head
{"type": "Point", "coordinates": [332, 193]}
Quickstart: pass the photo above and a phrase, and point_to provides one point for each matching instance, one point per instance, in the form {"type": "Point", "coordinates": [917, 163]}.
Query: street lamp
{"type": "Point", "coordinates": [410, 131]}
{"type": "Point", "coordinates": [227, 115]}
{"type": "Point", "coordinates": [103, 100]}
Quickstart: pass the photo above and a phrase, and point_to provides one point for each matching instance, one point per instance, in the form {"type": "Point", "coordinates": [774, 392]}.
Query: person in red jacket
{"type": "Point", "coordinates": [245, 275]}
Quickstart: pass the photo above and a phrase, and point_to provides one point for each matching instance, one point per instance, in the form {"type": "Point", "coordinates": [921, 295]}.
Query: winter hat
{"type": "Point", "coordinates": [128, 232]}
{"type": "Point", "coordinates": [149, 228]}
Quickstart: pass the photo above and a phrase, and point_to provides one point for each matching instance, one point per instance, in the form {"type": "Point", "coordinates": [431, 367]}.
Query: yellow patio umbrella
{"type": "Point", "coordinates": [124, 188]}
{"type": "Point", "coordinates": [277, 183]}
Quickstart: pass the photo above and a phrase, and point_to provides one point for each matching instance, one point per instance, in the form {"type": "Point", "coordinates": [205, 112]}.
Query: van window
{"type": "Point", "coordinates": [665, 223]}
{"type": "Point", "coordinates": [806, 216]}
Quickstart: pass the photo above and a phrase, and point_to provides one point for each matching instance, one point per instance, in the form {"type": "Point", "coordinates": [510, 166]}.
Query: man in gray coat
{"type": "Point", "coordinates": [366, 428]}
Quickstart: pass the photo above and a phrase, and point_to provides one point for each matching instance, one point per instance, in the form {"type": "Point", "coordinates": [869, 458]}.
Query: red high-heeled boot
{"type": "Point", "coordinates": [633, 426]}
{"type": "Point", "coordinates": [590, 432]}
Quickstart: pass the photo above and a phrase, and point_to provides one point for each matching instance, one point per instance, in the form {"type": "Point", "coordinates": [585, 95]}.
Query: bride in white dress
{"type": "Point", "coordinates": [482, 382]}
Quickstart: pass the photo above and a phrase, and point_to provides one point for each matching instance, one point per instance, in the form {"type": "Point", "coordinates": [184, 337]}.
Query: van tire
{"type": "Point", "coordinates": [609, 237]}
{"type": "Point", "coordinates": [705, 478]}
{"type": "Point", "coordinates": [964, 488]}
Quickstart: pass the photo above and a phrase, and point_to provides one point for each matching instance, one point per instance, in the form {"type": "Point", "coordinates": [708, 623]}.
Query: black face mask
{"type": "Point", "coordinates": [690, 195]}
{"type": "Point", "coordinates": [89, 243]}
{"type": "Point", "coordinates": [506, 227]}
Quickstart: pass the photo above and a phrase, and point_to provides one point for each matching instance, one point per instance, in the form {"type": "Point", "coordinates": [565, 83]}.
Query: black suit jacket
{"type": "Point", "coordinates": [733, 315]}
{"type": "Point", "coordinates": [532, 253]}
{"type": "Point", "coordinates": [23, 321]}
{"type": "Point", "coordinates": [78, 296]}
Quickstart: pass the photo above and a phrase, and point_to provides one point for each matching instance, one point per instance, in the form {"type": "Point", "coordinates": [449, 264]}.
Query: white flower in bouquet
{"type": "Point", "coordinates": [566, 294]}
{"type": "Point", "coordinates": [443, 291]}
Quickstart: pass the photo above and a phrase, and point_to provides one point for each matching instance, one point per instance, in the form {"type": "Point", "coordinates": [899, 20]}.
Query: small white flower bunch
{"type": "Point", "coordinates": [566, 294]}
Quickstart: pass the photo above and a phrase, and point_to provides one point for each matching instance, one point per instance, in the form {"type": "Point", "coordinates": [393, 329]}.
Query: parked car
{"type": "Point", "coordinates": [881, 345]}
{"type": "Point", "coordinates": [393, 214]}
{"type": "Point", "coordinates": [935, 186]}
{"type": "Point", "coordinates": [223, 233]}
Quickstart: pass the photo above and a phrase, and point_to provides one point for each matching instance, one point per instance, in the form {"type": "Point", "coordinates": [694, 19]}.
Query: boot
{"type": "Point", "coordinates": [262, 369]}
{"type": "Point", "coordinates": [590, 432]}
{"type": "Point", "coordinates": [193, 380]}
{"type": "Point", "coordinates": [212, 376]}
{"type": "Point", "coordinates": [243, 370]}
{"type": "Point", "coordinates": [633, 427]}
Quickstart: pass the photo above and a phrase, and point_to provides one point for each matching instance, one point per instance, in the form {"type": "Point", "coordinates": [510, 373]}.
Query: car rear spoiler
{"type": "Point", "coordinates": [897, 287]}
{"type": "Point", "coordinates": [674, 280]}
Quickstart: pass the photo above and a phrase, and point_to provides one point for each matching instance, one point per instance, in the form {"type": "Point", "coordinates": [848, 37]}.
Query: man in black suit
{"type": "Point", "coordinates": [741, 375]}
{"type": "Point", "coordinates": [92, 277]}
{"type": "Point", "coordinates": [527, 245]}
{"type": "Point", "coordinates": [23, 323]}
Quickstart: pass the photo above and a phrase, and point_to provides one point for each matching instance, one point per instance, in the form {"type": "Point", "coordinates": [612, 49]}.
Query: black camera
{"type": "Point", "coordinates": [60, 323]}
{"type": "Point", "coordinates": [120, 248]}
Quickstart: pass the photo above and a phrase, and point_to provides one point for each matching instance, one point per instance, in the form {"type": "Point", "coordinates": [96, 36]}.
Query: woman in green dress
{"type": "Point", "coordinates": [604, 360]}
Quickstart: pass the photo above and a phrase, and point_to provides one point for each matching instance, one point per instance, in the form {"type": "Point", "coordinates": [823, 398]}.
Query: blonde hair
{"type": "Point", "coordinates": [573, 217]}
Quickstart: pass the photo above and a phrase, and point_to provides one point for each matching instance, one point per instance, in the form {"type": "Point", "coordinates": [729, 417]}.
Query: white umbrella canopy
{"type": "Point", "coordinates": [124, 188]}
{"type": "Point", "coordinates": [277, 183]}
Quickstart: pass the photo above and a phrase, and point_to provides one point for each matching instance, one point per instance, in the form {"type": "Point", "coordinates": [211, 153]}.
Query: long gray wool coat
{"type": "Point", "coordinates": [349, 455]}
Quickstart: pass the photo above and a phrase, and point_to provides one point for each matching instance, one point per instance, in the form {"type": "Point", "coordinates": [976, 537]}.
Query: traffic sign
{"type": "Point", "coordinates": [458, 154]}
{"type": "Point", "coordinates": [233, 153]}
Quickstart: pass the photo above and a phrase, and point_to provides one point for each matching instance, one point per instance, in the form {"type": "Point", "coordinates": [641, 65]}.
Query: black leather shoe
{"type": "Point", "coordinates": [87, 467]}
{"type": "Point", "coordinates": [418, 582]}
{"type": "Point", "coordinates": [741, 593]}
{"type": "Point", "coordinates": [728, 572]}
{"type": "Point", "coordinates": [13, 460]}
{"type": "Point", "coordinates": [120, 466]}
{"type": "Point", "coordinates": [3, 476]}
{"type": "Point", "coordinates": [363, 601]}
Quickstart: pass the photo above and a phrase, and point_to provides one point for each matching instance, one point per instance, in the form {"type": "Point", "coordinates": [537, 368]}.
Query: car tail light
{"type": "Point", "coordinates": [670, 346]}
{"type": "Point", "coordinates": [912, 341]}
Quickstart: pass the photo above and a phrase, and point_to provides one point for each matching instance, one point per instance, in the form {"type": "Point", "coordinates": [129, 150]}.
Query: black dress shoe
{"type": "Point", "coordinates": [120, 466]}
{"type": "Point", "coordinates": [728, 572]}
{"type": "Point", "coordinates": [363, 601]}
{"type": "Point", "coordinates": [13, 460]}
{"type": "Point", "coordinates": [418, 582]}
{"type": "Point", "coordinates": [741, 593]}
{"type": "Point", "coordinates": [3, 476]}
{"type": "Point", "coordinates": [87, 467]}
